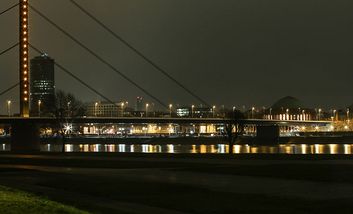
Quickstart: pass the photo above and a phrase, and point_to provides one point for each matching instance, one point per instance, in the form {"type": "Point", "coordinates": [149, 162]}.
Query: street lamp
{"type": "Point", "coordinates": [95, 109]}
{"type": "Point", "coordinates": [348, 114]}
{"type": "Point", "coordinates": [147, 109]}
{"type": "Point", "coordinates": [9, 108]}
{"type": "Point", "coordinates": [252, 112]}
{"type": "Point", "coordinates": [68, 108]}
{"type": "Point", "coordinates": [170, 110]}
{"type": "Point", "coordinates": [192, 110]}
{"type": "Point", "coordinates": [320, 113]}
{"type": "Point", "coordinates": [39, 105]}
{"type": "Point", "coordinates": [122, 109]}
{"type": "Point", "coordinates": [213, 110]}
{"type": "Point", "coordinates": [334, 114]}
{"type": "Point", "coordinates": [287, 114]}
{"type": "Point", "coordinates": [298, 114]}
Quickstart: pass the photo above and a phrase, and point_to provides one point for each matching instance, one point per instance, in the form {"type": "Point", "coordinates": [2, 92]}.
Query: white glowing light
{"type": "Point", "coordinates": [68, 128]}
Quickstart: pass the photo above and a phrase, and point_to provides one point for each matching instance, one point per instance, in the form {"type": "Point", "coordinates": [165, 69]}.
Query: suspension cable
{"type": "Point", "coordinates": [8, 9]}
{"type": "Point", "coordinates": [9, 89]}
{"type": "Point", "coordinates": [139, 53]}
{"type": "Point", "coordinates": [8, 49]}
{"type": "Point", "coordinates": [76, 78]}
{"type": "Point", "coordinates": [98, 57]}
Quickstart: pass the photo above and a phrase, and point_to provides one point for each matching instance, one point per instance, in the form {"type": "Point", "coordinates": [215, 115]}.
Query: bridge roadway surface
{"type": "Point", "coordinates": [160, 120]}
{"type": "Point", "coordinates": [144, 183]}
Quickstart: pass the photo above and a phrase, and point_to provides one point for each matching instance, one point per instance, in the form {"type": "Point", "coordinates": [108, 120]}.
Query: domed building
{"type": "Point", "coordinates": [289, 108]}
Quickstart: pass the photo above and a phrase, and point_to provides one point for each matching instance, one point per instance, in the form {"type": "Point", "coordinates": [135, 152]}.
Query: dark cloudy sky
{"type": "Point", "coordinates": [232, 52]}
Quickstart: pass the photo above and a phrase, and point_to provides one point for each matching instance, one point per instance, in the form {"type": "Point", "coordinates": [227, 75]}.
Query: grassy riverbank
{"type": "Point", "coordinates": [14, 201]}
{"type": "Point", "coordinates": [187, 183]}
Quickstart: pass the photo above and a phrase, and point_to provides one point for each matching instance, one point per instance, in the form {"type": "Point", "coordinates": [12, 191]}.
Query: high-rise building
{"type": "Point", "coordinates": [42, 86]}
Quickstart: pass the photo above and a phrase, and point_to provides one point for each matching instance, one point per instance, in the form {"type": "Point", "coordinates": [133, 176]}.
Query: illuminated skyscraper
{"type": "Point", "coordinates": [42, 90]}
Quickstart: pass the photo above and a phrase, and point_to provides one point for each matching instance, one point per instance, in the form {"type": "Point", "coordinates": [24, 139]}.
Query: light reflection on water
{"type": "Point", "coordinates": [198, 149]}
{"type": "Point", "coordinates": [205, 149]}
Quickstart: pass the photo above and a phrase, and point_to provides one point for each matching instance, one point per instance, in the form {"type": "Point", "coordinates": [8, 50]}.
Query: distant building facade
{"type": "Point", "coordinates": [190, 111]}
{"type": "Point", "coordinates": [42, 86]}
{"type": "Point", "coordinates": [105, 109]}
{"type": "Point", "coordinates": [289, 108]}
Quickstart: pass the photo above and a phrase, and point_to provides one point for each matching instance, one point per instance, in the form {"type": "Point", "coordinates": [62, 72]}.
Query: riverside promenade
{"type": "Point", "coordinates": [180, 183]}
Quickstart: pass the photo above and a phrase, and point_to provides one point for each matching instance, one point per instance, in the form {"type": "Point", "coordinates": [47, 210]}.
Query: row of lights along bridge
{"type": "Point", "coordinates": [103, 109]}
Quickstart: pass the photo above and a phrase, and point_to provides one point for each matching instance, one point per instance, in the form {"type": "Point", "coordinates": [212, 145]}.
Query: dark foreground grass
{"type": "Point", "coordinates": [152, 191]}
{"type": "Point", "coordinates": [14, 201]}
{"type": "Point", "coordinates": [188, 198]}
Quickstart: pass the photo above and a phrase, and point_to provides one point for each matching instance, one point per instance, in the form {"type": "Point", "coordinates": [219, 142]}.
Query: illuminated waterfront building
{"type": "Point", "coordinates": [183, 111]}
{"type": "Point", "coordinates": [193, 111]}
{"type": "Point", "coordinates": [106, 109]}
{"type": "Point", "coordinates": [289, 108]}
{"type": "Point", "coordinates": [102, 109]}
{"type": "Point", "coordinates": [42, 86]}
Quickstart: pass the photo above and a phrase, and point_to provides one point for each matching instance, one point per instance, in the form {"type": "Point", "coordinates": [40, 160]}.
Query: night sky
{"type": "Point", "coordinates": [235, 52]}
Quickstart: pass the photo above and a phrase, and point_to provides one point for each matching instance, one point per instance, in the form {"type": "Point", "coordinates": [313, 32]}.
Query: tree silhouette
{"type": "Point", "coordinates": [233, 127]}
{"type": "Point", "coordinates": [66, 106]}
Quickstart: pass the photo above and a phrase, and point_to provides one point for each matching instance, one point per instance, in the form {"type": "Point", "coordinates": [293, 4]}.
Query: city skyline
{"type": "Point", "coordinates": [280, 62]}
{"type": "Point", "coordinates": [176, 106]}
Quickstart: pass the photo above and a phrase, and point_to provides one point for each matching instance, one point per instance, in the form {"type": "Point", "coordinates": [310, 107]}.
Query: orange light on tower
{"type": "Point", "coordinates": [24, 71]}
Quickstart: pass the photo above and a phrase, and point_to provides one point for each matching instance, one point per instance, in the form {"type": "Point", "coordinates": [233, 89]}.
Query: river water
{"type": "Point", "coordinates": [204, 149]}
{"type": "Point", "coordinates": [198, 149]}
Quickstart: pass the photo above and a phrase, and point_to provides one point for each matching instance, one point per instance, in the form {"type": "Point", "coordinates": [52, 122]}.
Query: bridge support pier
{"type": "Point", "coordinates": [267, 134]}
{"type": "Point", "coordinates": [25, 136]}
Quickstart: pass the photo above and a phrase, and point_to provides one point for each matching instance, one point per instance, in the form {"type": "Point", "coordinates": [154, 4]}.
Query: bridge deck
{"type": "Point", "coordinates": [9, 120]}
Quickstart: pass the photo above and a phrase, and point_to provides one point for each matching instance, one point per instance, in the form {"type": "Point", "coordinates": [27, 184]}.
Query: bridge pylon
{"type": "Point", "coordinates": [23, 58]}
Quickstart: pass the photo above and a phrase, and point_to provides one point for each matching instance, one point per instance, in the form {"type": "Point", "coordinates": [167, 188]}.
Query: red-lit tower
{"type": "Point", "coordinates": [24, 68]}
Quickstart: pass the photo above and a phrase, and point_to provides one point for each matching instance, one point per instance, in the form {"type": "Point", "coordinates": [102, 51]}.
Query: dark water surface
{"type": "Point", "coordinates": [214, 149]}
{"type": "Point", "coordinates": [200, 149]}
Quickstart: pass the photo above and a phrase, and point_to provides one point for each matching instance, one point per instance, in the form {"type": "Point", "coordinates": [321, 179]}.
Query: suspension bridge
{"type": "Point", "coordinates": [25, 127]}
